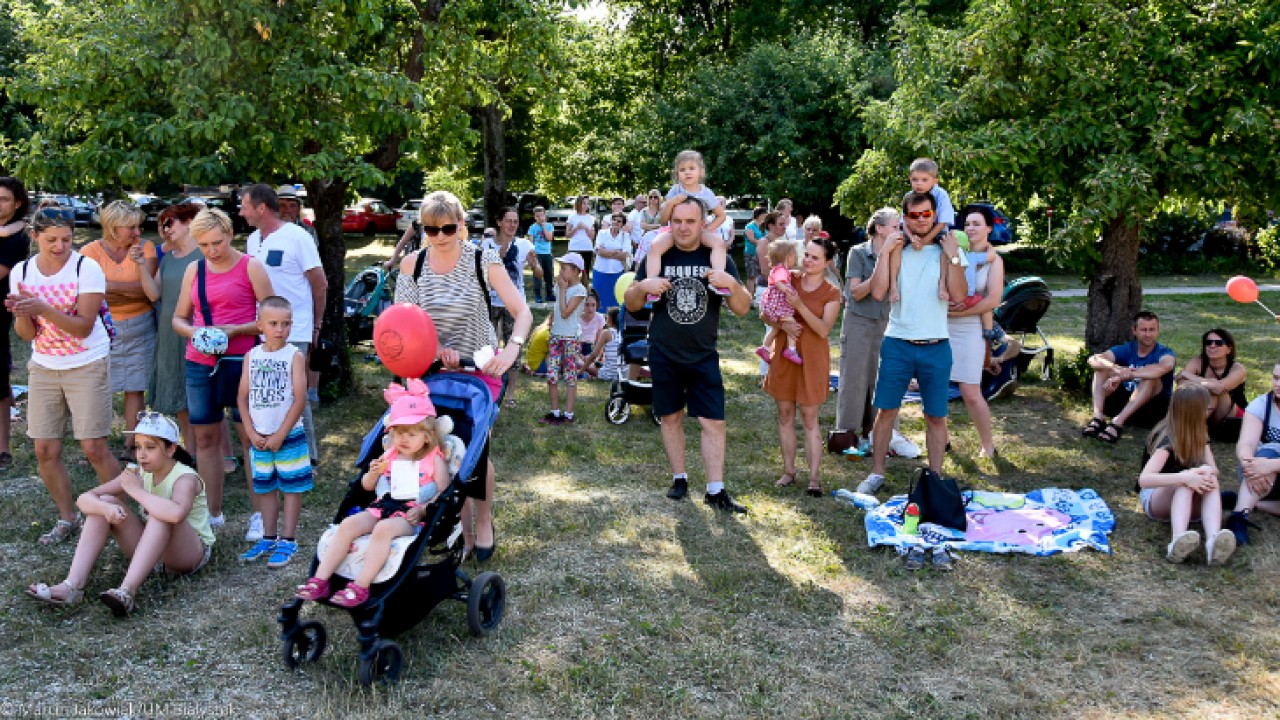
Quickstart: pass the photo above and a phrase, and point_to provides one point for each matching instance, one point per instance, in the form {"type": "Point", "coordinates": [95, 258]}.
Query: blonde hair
{"type": "Point", "coordinates": [687, 156]}
{"type": "Point", "coordinates": [1185, 426]}
{"type": "Point", "coordinates": [924, 165]}
{"type": "Point", "coordinates": [813, 221]}
{"type": "Point", "coordinates": [430, 426]}
{"type": "Point", "coordinates": [118, 214]}
{"type": "Point", "coordinates": [782, 252]}
{"type": "Point", "coordinates": [443, 204]}
{"type": "Point", "coordinates": [210, 220]}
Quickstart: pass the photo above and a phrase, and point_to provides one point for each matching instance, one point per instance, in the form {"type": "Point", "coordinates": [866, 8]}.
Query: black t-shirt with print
{"type": "Point", "coordinates": [686, 319]}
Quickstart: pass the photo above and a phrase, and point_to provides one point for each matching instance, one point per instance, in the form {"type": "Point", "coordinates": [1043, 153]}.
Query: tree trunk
{"type": "Point", "coordinates": [495, 162]}
{"type": "Point", "coordinates": [328, 198]}
{"type": "Point", "coordinates": [1115, 293]}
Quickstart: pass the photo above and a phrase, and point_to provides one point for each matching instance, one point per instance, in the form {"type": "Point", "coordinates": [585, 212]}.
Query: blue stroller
{"type": "Point", "coordinates": [430, 571]}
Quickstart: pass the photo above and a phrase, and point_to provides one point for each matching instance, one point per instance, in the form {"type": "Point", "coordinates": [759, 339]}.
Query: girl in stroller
{"type": "Point", "coordinates": [408, 476]}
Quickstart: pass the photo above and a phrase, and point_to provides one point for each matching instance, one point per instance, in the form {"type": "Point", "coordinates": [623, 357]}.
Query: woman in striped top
{"type": "Point", "coordinates": [449, 290]}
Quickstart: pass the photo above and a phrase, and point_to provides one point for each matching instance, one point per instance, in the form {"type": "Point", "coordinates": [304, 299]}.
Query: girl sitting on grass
{"type": "Point", "coordinates": [1180, 480]}
{"type": "Point", "coordinates": [176, 532]}
{"type": "Point", "coordinates": [406, 478]}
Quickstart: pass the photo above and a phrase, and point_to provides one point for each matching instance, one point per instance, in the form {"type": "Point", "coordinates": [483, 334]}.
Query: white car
{"type": "Point", "coordinates": [408, 213]}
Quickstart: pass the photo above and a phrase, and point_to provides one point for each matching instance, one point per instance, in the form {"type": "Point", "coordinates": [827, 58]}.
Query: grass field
{"type": "Point", "coordinates": [625, 604]}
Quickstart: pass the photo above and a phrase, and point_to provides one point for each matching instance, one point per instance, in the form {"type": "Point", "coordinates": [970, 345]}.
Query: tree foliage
{"type": "Point", "coordinates": [330, 92]}
{"type": "Point", "coordinates": [1103, 108]}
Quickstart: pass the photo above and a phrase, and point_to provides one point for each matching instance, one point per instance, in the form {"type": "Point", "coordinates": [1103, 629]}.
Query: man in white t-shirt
{"type": "Point", "coordinates": [293, 265]}
{"type": "Point", "coordinates": [516, 254]}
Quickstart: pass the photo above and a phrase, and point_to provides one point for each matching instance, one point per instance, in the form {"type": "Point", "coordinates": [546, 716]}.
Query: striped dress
{"type": "Point", "coordinates": [454, 301]}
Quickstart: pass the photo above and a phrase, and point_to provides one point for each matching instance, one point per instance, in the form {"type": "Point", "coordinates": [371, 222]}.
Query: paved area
{"type": "Point", "coordinates": [1084, 292]}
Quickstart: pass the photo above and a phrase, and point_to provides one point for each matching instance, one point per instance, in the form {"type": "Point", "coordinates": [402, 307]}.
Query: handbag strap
{"type": "Point", "coordinates": [204, 297]}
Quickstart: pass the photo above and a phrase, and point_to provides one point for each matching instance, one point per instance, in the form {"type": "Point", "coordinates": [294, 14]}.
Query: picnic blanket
{"type": "Point", "coordinates": [1042, 522]}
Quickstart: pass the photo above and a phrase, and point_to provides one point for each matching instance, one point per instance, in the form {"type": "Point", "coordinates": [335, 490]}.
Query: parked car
{"type": "Point", "coordinates": [152, 206]}
{"type": "Point", "coordinates": [408, 213]}
{"type": "Point", "coordinates": [58, 205]}
{"type": "Point", "coordinates": [81, 211]}
{"type": "Point", "coordinates": [558, 216]}
{"type": "Point", "coordinates": [739, 208]}
{"type": "Point", "coordinates": [1003, 233]}
{"type": "Point", "coordinates": [523, 202]}
{"type": "Point", "coordinates": [369, 216]}
{"type": "Point", "coordinates": [228, 203]}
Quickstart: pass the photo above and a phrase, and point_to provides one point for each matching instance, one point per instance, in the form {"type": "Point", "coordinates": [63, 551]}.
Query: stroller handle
{"type": "Point", "coordinates": [465, 362]}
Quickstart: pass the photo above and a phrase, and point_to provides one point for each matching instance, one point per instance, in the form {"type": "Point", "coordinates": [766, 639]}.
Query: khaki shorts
{"type": "Point", "coordinates": [83, 393]}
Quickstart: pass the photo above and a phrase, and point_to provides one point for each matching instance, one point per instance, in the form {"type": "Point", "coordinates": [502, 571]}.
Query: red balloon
{"type": "Point", "coordinates": [1242, 289]}
{"type": "Point", "coordinates": [405, 339]}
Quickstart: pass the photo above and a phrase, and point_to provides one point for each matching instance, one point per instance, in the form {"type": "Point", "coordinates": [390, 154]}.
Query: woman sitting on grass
{"type": "Point", "coordinates": [1180, 480]}
{"type": "Point", "coordinates": [1216, 370]}
{"type": "Point", "coordinates": [176, 532]}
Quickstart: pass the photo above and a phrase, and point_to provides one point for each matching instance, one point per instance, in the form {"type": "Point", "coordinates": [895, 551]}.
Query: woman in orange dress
{"type": "Point", "coordinates": [817, 305]}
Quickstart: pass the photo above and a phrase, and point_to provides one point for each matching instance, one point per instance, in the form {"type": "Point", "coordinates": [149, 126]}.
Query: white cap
{"type": "Point", "coordinates": [573, 259]}
{"type": "Point", "coordinates": [156, 425]}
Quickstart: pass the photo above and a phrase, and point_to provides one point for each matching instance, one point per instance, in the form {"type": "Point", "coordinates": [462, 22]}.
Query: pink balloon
{"type": "Point", "coordinates": [1242, 289]}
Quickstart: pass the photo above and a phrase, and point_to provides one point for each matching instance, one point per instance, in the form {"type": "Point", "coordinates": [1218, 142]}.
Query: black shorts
{"type": "Point", "coordinates": [699, 386]}
{"type": "Point", "coordinates": [6, 357]}
{"type": "Point", "coordinates": [1146, 416]}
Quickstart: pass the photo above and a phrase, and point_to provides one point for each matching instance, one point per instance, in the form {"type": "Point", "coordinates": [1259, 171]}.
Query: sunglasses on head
{"type": "Point", "coordinates": [918, 214]}
{"type": "Point", "coordinates": [1215, 342]}
{"type": "Point", "coordinates": [434, 230]}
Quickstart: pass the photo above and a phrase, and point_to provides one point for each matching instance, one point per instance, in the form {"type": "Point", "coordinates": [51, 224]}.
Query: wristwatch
{"type": "Point", "coordinates": [517, 340]}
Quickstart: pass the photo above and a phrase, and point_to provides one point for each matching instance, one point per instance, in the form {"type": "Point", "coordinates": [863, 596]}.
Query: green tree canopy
{"type": "Point", "coordinates": [1103, 108]}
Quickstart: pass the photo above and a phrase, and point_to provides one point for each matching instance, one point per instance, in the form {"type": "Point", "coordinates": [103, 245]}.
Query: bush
{"type": "Point", "coordinates": [1073, 374]}
{"type": "Point", "coordinates": [1268, 247]}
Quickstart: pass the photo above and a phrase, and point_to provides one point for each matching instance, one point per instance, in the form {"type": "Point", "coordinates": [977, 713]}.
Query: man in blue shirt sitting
{"type": "Point", "coordinates": [1131, 382]}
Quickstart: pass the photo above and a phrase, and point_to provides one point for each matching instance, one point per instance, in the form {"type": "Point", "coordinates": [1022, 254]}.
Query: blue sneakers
{"type": "Point", "coordinates": [262, 548]}
{"type": "Point", "coordinates": [284, 552]}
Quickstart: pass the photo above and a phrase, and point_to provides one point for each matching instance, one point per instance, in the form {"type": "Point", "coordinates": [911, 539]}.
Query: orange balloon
{"type": "Point", "coordinates": [404, 337]}
{"type": "Point", "coordinates": [1242, 289]}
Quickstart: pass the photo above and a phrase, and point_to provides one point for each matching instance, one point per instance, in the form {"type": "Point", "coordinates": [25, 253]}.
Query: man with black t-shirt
{"type": "Point", "coordinates": [683, 360]}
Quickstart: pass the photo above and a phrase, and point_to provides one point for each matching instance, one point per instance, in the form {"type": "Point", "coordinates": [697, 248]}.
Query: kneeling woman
{"type": "Point", "coordinates": [175, 533]}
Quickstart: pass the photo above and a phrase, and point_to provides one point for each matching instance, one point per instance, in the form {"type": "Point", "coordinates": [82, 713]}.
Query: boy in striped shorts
{"type": "Point", "coordinates": [273, 394]}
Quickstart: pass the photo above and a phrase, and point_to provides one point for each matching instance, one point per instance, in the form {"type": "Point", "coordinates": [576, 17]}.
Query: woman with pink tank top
{"type": "Point", "coordinates": [233, 283]}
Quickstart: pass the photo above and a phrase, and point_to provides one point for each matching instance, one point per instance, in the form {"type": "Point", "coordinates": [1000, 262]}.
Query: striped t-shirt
{"type": "Point", "coordinates": [454, 301]}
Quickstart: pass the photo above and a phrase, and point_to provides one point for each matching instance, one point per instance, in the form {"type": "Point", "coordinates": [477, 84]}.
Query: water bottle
{"type": "Point", "coordinates": [862, 501]}
{"type": "Point", "coordinates": [911, 520]}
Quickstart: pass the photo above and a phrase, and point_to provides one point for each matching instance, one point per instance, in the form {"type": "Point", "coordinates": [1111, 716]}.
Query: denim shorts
{"type": "Point", "coordinates": [930, 365]}
{"type": "Point", "coordinates": [1268, 451]}
{"type": "Point", "coordinates": [213, 388]}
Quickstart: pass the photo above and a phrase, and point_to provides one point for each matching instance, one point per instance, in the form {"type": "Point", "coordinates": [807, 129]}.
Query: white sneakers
{"type": "Point", "coordinates": [254, 533]}
{"type": "Point", "coordinates": [1183, 545]}
{"type": "Point", "coordinates": [901, 447]}
{"type": "Point", "coordinates": [1219, 546]}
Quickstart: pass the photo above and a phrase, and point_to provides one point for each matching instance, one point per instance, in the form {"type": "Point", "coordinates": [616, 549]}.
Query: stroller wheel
{"type": "Point", "coordinates": [304, 645]}
{"type": "Point", "coordinates": [385, 665]}
{"type": "Point", "coordinates": [486, 601]}
{"type": "Point", "coordinates": [618, 411]}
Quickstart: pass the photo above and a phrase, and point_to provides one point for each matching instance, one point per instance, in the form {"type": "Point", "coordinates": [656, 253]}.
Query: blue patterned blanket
{"type": "Point", "coordinates": [1042, 522]}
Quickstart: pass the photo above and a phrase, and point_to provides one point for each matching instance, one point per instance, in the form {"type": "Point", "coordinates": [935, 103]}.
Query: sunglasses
{"type": "Point", "coordinates": [434, 230]}
{"type": "Point", "coordinates": [1215, 342]}
{"type": "Point", "coordinates": [926, 214]}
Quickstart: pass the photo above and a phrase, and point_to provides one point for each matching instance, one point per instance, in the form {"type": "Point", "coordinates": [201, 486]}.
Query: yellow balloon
{"type": "Point", "coordinates": [624, 282]}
